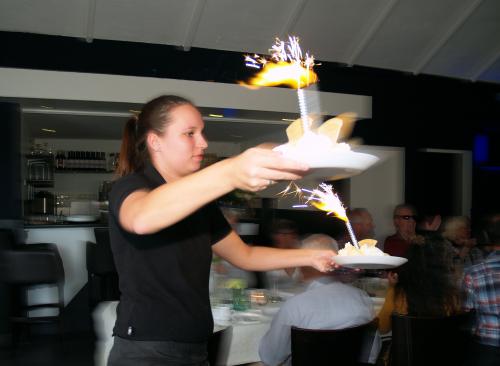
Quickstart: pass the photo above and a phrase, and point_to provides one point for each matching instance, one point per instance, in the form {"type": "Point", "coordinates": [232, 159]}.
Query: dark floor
{"type": "Point", "coordinates": [69, 350]}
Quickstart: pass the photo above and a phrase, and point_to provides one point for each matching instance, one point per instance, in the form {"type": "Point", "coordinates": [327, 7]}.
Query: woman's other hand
{"type": "Point", "coordinates": [323, 260]}
{"type": "Point", "coordinates": [258, 167]}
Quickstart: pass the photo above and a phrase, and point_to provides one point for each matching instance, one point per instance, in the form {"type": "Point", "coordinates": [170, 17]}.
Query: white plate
{"type": "Point", "coordinates": [370, 261]}
{"type": "Point", "coordinates": [345, 164]}
{"type": "Point", "coordinates": [81, 218]}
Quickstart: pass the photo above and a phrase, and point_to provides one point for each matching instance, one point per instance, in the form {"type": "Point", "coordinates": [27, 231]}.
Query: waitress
{"type": "Point", "coordinates": [164, 226]}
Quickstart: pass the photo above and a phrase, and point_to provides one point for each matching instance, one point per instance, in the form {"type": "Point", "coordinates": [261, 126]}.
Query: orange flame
{"type": "Point", "coordinates": [287, 65]}
{"type": "Point", "coordinates": [283, 73]}
{"type": "Point", "coordinates": [328, 201]}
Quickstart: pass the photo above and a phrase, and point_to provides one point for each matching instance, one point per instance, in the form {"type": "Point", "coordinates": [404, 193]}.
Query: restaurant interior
{"type": "Point", "coordinates": [423, 79]}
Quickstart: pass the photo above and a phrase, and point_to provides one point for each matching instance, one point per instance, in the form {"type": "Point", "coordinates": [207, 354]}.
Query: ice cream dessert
{"type": "Point", "coordinates": [319, 147]}
{"type": "Point", "coordinates": [366, 247]}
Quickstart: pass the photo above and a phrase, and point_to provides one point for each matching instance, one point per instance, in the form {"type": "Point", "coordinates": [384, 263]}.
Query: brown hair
{"type": "Point", "coordinates": [155, 115]}
{"type": "Point", "coordinates": [428, 280]}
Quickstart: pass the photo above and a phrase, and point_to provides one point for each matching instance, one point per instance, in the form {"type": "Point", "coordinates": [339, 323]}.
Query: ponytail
{"type": "Point", "coordinates": [131, 157]}
{"type": "Point", "coordinates": [154, 117]}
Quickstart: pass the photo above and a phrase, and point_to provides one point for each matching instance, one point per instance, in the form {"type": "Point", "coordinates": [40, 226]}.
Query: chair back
{"type": "Point", "coordinates": [430, 340]}
{"type": "Point", "coordinates": [99, 256]}
{"type": "Point", "coordinates": [218, 346]}
{"type": "Point", "coordinates": [329, 346]}
{"type": "Point", "coordinates": [103, 282]}
{"type": "Point", "coordinates": [31, 266]}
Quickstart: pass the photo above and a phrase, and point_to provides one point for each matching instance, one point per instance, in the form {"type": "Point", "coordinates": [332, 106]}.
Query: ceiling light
{"type": "Point", "coordinates": [216, 115]}
{"type": "Point", "coordinates": [134, 111]}
{"type": "Point", "coordinates": [287, 119]}
{"type": "Point", "coordinates": [46, 107]}
{"type": "Point", "coordinates": [48, 130]}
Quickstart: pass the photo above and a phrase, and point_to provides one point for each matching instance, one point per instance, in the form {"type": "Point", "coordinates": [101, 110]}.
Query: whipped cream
{"type": "Point", "coordinates": [311, 146]}
{"type": "Point", "coordinates": [364, 249]}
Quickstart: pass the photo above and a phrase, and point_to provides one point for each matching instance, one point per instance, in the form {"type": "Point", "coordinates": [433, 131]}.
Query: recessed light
{"type": "Point", "coordinates": [48, 130]}
{"type": "Point", "coordinates": [287, 119]}
{"type": "Point", "coordinates": [216, 115]}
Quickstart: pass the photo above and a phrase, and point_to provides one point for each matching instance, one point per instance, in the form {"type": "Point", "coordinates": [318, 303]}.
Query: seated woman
{"type": "Point", "coordinates": [425, 286]}
{"type": "Point", "coordinates": [457, 230]}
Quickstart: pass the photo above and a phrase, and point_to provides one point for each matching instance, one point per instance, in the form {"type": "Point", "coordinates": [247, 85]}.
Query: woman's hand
{"type": "Point", "coordinates": [323, 260]}
{"type": "Point", "coordinates": [258, 167]}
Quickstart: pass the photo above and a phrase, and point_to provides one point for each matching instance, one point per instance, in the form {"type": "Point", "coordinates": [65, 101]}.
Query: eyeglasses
{"type": "Point", "coordinates": [405, 217]}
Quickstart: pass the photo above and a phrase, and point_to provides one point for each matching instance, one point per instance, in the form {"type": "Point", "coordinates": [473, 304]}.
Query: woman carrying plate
{"type": "Point", "coordinates": [164, 227]}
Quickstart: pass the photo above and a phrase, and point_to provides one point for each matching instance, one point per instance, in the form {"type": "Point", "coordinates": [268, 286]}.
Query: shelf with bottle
{"type": "Point", "coordinates": [84, 162]}
{"type": "Point", "coordinates": [40, 166]}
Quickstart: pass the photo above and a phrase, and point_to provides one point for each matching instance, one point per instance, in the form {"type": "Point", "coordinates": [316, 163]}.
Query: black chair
{"type": "Point", "coordinates": [218, 346]}
{"type": "Point", "coordinates": [429, 340]}
{"type": "Point", "coordinates": [331, 346]}
{"type": "Point", "coordinates": [26, 266]}
{"type": "Point", "coordinates": [102, 274]}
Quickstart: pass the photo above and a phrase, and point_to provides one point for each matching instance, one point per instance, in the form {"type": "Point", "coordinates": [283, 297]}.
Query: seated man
{"type": "Point", "coordinates": [326, 304]}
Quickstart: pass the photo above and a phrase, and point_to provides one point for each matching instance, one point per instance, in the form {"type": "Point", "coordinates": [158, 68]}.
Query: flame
{"type": "Point", "coordinates": [283, 73]}
{"type": "Point", "coordinates": [326, 200]}
{"type": "Point", "coordinates": [286, 66]}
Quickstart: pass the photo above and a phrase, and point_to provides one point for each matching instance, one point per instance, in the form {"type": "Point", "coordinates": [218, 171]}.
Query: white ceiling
{"type": "Point", "coordinates": [452, 38]}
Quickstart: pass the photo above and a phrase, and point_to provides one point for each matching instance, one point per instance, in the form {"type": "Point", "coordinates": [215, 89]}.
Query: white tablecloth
{"type": "Point", "coordinates": [243, 347]}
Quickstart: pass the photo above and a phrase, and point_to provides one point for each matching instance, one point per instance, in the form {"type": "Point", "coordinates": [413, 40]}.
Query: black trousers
{"type": "Point", "coordinates": [164, 353]}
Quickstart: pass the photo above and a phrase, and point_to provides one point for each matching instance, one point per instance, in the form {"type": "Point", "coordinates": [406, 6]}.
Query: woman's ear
{"type": "Point", "coordinates": [153, 142]}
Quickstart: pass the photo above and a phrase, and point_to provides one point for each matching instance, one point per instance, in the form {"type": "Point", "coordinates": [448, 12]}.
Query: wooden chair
{"type": "Point", "coordinates": [430, 341]}
{"type": "Point", "coordinates": [218, 346]}
{"type": "Point", "coordinates": [330, 346]}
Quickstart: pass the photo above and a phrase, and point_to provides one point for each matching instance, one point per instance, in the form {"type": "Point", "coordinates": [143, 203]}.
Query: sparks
{"type": "Point", "coordinates": [324, 199]}
{"type": "Point", "coordinates": [287, 65]}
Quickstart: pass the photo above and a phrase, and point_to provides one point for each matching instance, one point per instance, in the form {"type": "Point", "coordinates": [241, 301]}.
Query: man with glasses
{"type": "Point", "coordinates": [405, 223]}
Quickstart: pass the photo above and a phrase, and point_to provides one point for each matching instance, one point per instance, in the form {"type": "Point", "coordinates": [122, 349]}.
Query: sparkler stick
{"type": "Point", "coordinates": [351, 234]}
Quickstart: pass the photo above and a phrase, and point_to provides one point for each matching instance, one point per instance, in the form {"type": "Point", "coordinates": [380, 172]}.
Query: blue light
{"type": "Point", "coordinates": [481, 147]}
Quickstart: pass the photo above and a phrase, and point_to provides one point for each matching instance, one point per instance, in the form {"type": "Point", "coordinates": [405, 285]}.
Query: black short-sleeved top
{"type": "Point", "coordinates": [164, 276]}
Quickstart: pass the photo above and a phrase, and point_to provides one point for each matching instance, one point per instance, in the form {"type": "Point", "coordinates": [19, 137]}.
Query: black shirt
{"type": "Point", "coordinates": [164, 276]}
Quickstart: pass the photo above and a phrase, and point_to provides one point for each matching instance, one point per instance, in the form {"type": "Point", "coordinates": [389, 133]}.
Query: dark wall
{"type": "Point", "coordinates": [408, 111]}
{"type": "Point", "coordinates": [10, 163]}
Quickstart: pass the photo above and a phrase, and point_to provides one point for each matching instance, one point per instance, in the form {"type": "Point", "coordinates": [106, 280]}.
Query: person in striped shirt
{"type": "Point", "coordinates": [482, 293]}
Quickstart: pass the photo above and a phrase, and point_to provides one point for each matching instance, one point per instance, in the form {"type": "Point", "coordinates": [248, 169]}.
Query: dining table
{"type": "Point", "coordinates": [248, 328]}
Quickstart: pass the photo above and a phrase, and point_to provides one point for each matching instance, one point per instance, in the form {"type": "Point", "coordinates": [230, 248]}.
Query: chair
{"type": "Point", "coordinates": [330, 346]}
{"type": "Point", "coordinates": [30, 265]}
{"type": "Point", "coordinates": [218, 346]}
{"type": "Point", "coordinates": [429, 340]}
{"type": "Point", "coordinates": [102, 274]}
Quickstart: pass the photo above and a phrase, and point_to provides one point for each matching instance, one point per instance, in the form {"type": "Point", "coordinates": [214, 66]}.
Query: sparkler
{"type": "Point", "coordinates": [287, 65]}
{"type": "Point", "coordinates": [324, 199]}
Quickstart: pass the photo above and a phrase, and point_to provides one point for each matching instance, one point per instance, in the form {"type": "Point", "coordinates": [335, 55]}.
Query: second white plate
{"type": "Point", "coordinates": [370, 261]}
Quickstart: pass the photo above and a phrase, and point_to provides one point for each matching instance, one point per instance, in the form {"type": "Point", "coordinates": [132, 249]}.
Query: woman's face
{"type": "Point", "coordinates": [179, 151]}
